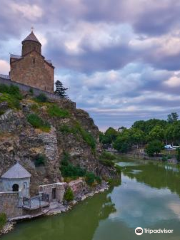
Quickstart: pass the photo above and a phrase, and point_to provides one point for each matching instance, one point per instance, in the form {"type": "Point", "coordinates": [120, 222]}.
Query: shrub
{"type": "Point", "coordinates": [31, 91]}
{"type": "Point", "coordinates": [55, 111]}
{"type": "Point", "coordinates": [154, 147]}
{"type": "Point", "coordinates": [11, 100]}
{"type": "Point", "coordinates": [41, 98]}
{"type": "Point", "coordinates": [37, 122]}
{"type": "Point", "coordinates": [40, 160]}
{"type": "Point", "coordinates": [90, 178]}
{"type": "Point", "coordinates": [12, 90]}
{"type": "Point", "coordinates": [77, 129]}
{"type": "Point", "coordinates": [3, 220]}
{"type": "Point", "coordinates": [68, 170]}
{"type": "Point", "coordinates": [107, 159]}
{"type": "Point", "coordinates": [87, 137]}
{"type": "Point", "coordinates": [164, 158]}
{"type": "Point", "coordinates": [68, 196]}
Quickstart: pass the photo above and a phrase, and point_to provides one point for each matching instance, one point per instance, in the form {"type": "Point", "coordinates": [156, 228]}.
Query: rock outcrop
{"type": "Point", "coordinates": [20, 141]}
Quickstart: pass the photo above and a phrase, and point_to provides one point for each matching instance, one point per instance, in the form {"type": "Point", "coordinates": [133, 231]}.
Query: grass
{"type": "Point", "coordinates": [11, 90]}
{"type": "Point", "coordinates": [3, 220]}
{"type": "Point", "coordinates": [55, 111]}
{"type": "Point", "coordinates": [77, 129]}
{"type": "Point", "coordinates": [37, 122]}
{"type": "Point", "coordinates": [11, 100]}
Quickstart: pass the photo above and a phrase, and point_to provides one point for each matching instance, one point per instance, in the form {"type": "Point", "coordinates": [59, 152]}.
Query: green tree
{"type": "Point", "coordinates": [60, 89]}
{"type": "Point", "coordinates": [173, 117]}
{"type": "Point", "coordinates": [154, 147]}
{"type": "Point", "coordinates": [157, 133]}
{"type": "Point", "coordinates": [123, 142]}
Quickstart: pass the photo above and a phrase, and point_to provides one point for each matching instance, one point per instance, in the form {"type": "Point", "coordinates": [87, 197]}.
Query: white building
{"type": "Point", "coordinates": [16, 179]}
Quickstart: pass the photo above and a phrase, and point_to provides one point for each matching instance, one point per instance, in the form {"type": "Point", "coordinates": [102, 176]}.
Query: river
{"type": "Point", "coordinates": [147, 196]}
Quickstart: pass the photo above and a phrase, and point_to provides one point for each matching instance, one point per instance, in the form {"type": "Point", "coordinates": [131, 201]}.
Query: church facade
{"type": "Point", "coordinates": [31, 68]}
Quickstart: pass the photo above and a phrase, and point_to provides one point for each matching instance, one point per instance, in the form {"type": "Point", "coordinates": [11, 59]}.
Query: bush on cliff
{"type": "Point", "coordinates": [68, 196]}
{"type": "Point", "coordinates": [40, 160]}
{"type": "Point", "coordinates": [37, 122]}
{"type": "Point", "coordinates": [55, 111]}
{"type": "Point", "coordinates": [68, 170]}
{"type": "Point", "coordinates": [3, 220]}
{"type": "Point", "coordinates": [77, 129]}
{"type": "Point", "coordinates": [42, 98]}
{"type": "Point", "coordinates": [12, 90]}
{"type": "Point", "coordinates": [12, 102]}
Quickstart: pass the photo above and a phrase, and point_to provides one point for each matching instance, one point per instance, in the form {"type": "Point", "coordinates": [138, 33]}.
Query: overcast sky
{"type": "Point", "coordinates": [120, 59]}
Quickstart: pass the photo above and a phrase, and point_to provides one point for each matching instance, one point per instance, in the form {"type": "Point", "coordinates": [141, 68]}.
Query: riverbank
{"type": "Point", "coordinates": [57, 208]}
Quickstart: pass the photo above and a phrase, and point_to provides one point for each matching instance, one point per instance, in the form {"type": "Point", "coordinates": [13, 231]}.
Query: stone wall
{"type": "Point", "coordinates": [58, 188]}
{"type": "Point", "coordinates": [32, 70]}
{"type": "Point", "coordinates": [9, 204]}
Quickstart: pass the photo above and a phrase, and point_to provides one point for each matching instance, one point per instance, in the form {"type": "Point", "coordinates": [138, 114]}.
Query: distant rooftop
{"type": "Point", "coordinates": [15, 172]}
{"type": "Point", "coordinates": [31, 37]}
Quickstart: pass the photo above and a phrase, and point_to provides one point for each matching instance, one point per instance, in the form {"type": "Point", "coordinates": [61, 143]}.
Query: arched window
{"type": "Point", "coordinates": [15, 188]}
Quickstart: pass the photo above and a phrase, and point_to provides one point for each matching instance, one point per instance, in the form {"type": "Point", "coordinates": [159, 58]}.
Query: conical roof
{"type": "Point", "coordinates": [31, 37]}
{"type": "Point", "coordinates": [15, 172]}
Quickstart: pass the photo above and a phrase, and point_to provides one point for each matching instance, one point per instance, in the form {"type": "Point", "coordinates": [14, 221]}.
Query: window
{"type": "Point", "coordinates": [34, 60]}
{"type": "Point", "coordinates": [15, 188]}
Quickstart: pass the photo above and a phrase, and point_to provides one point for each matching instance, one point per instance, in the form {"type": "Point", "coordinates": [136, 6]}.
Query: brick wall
{"type": "Point", "coordinates": [9, 204]}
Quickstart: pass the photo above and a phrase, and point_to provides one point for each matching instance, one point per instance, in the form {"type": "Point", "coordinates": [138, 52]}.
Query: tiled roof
{"type": "Point", "coordinates": [31, 37]}
{"type": "Point", "coordinates": [15, 172]}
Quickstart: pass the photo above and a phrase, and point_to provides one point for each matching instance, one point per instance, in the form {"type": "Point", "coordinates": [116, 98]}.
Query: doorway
{"type": "Point", "coordinates": [15, 188]}
{"type": "Point", "coordinates": [53, 193]}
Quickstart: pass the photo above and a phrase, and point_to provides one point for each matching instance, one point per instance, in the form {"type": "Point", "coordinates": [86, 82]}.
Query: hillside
{"type": "Point", "coordinates": [39, 133]}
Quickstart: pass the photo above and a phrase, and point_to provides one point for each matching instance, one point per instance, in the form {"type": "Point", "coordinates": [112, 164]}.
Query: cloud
{"type": "Point", "coordinates": [120, 59]}
{"type": "Point", "coordinates": [28, 11]}
{"type": "Point", "coordinates": [4, 67]}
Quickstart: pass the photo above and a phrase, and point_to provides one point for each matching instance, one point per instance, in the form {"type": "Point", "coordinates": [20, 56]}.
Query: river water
{"type": "Point", "coordinates": [147, 196]}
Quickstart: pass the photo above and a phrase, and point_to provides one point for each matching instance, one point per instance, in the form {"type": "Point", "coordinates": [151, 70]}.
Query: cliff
{"type": "Point", "coordinates": [38, 133]}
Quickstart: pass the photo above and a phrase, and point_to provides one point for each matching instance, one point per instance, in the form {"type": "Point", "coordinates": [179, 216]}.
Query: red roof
{"type": "Point", "coordinates": [31, 37]}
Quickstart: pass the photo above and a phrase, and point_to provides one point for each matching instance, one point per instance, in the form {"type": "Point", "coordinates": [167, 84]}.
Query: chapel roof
{"type": "Point", "coordinates": [31, 37]}
{"type": "Point", "coordinates": [15, 172]}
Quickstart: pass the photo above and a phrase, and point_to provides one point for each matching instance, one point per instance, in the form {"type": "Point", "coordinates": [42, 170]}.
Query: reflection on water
{"type": "Point", "coordinates": [148, 197]}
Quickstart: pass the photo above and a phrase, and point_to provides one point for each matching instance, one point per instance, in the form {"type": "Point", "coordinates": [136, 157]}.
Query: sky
{"type": "Point", "coordinates": [120, 59]}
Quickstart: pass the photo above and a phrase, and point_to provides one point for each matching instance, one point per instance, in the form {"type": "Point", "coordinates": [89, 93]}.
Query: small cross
{"type": "Point", "coordinates": [32, 29]}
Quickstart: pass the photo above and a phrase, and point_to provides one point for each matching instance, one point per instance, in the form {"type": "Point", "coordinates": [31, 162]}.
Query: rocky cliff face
{"type": "Point", "coordinates": [21, 141]}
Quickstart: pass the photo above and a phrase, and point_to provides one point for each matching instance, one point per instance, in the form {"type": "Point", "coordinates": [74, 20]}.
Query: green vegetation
{"type": "Point", "coordinates": [178, 154]}
{"type": "Point", "coordinates": [11, 90]}
{"type": "Point", "coordinates": [77, 129]}
{"type": "Point", "coordinates": [154, 147]}
{"type": "Point", "coordinates": [40, 160]}
{"type": "Point", "coordinates": [31, 91]}
{"type": "Point", "coordinates": [55, 111]}
{"type": "Point", "coordinates": [92, 179]}
{"type": "Point", "coordinates": [70, 171]}
{"type": "Point", "coordinates": [11, 100]}
{"type": "Point", "coordinates": [41, 98]}
{"type": "Point", "coordinates": [37, 122]}
{"type": "Point", "coordinates": [68, 196]}
{"type": "Point", "coordinates": [107, 159]}
{"type": "Point", "coordinates": [144, 133]}
{"type": "Point", "coordinates": [3, 220]}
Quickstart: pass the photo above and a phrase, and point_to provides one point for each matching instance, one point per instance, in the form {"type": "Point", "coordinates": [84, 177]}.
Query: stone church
{"type": "Point", "coordinates": [31, 68]}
